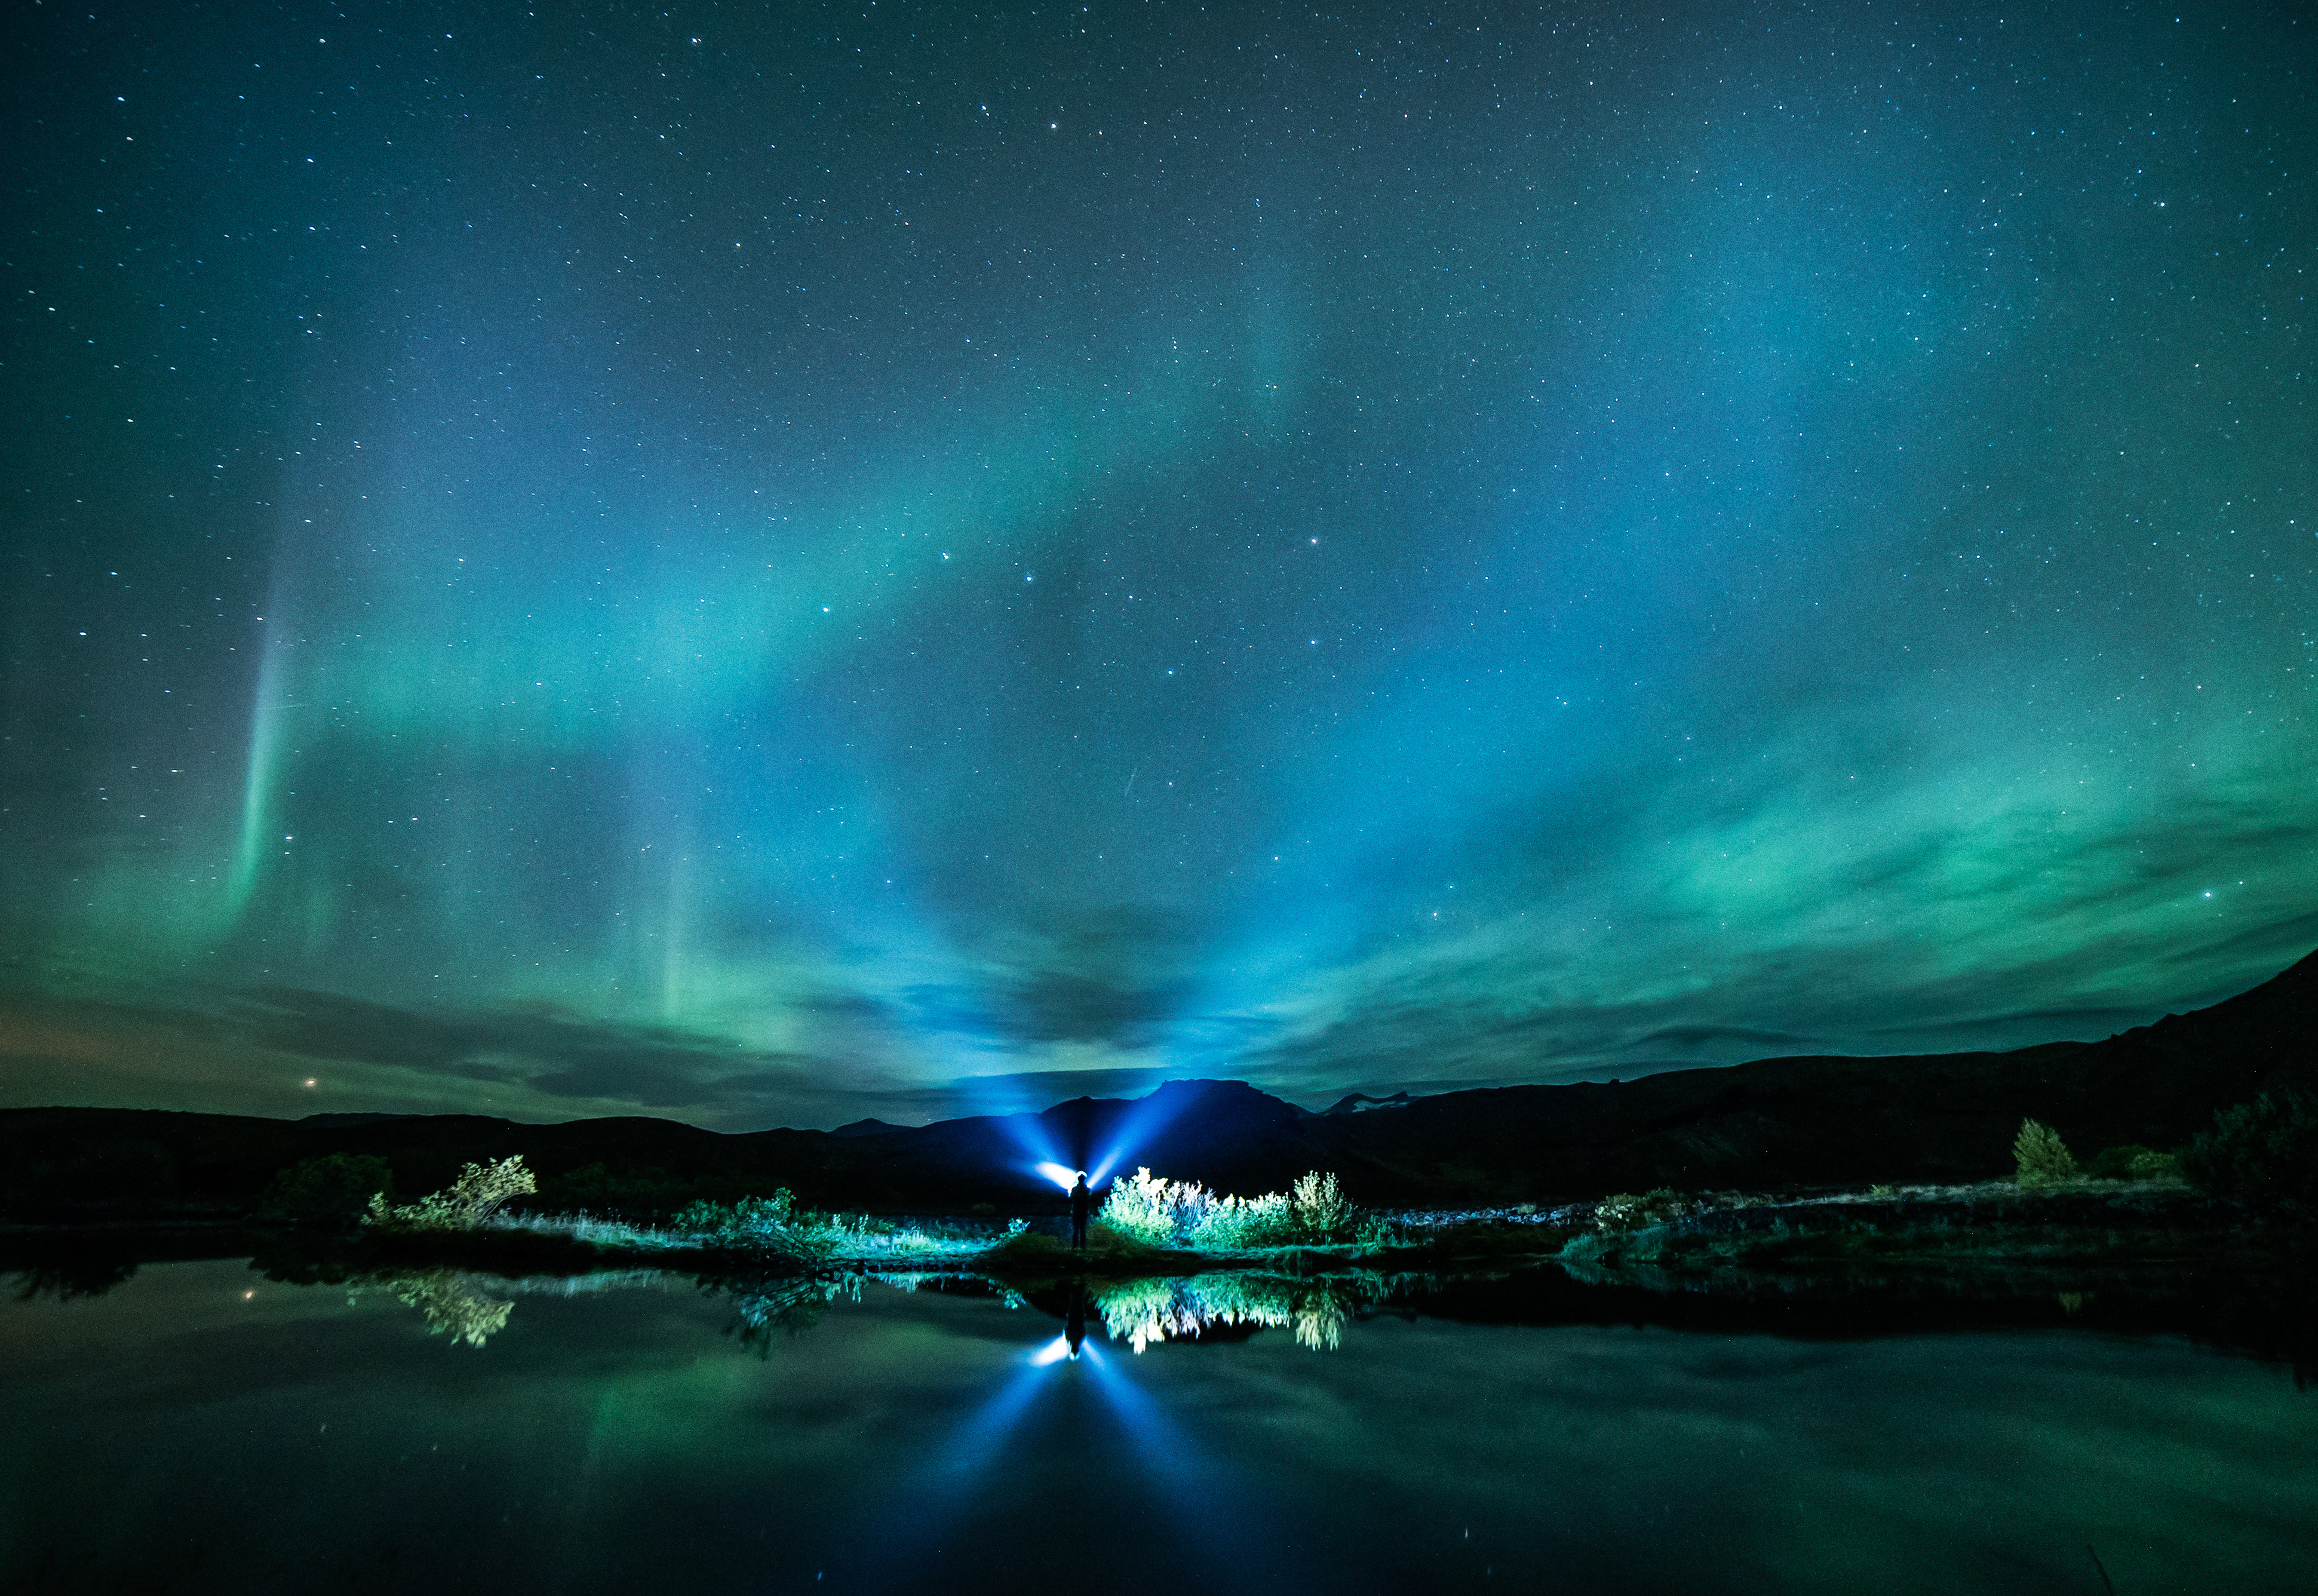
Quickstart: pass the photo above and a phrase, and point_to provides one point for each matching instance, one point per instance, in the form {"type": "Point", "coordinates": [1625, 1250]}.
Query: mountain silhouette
{"type": "Point", "coordinates": [1774, 1123]}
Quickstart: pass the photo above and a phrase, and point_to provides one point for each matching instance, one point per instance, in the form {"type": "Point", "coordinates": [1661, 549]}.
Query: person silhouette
{"type": "Point", "coordinates": [1082, 1199]}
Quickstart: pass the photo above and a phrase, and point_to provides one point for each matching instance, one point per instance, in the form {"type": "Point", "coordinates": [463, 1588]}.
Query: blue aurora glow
{"type": "Point", "coordinates": [771, 570]}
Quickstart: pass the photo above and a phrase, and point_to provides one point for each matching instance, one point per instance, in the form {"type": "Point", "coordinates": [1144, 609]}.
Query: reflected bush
{"type": "Point", "coordinates": [1143, 1312]}
{"type": "Point", "coordinates": [480, 1191]}
{"type": "Point", "coordinates": [334, 1189]}
{"type": "Point", "coordinates": [68, 1279]}
{"type": "Point", "coordinates": [454, 1303]}
{"type": "Point", "coordinates": [1162, 1212]}
{"type": "Point", "coordinates": [788, 1307]}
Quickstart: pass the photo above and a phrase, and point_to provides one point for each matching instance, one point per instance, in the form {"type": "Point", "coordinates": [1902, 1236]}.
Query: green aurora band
{"type": "Point", "coordinates": [770, 571]}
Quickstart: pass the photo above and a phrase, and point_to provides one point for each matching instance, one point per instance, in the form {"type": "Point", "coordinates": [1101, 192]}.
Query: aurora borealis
{"type": "Point", "coordinates": [766, 565]}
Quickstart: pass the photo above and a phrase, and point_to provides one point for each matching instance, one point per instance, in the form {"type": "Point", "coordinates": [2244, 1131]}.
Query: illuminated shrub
{"type": "Point", "coordinates": [1162, 1212]}
{"type": "Point", "coordinates": [750, 1215]}
{"type": "Point", "coordinates": [1236, 1224]}
{"type": "Point", "coordinates": [2147, 1165]}
{"type": "Point", "coordinates": [2133, 1162]}
{"type": "Point", "coordinates": [764, 1224]}
{"type": "Point", "coordinates": [1626, 1212]}
{"type": "Point", "coordinates": [776, 1226]}
{"type": "Point", "coordinates": [1154, 1211]}
{"type": "Point", "coordinates": [480, 1191]}
{"type": "Point", "coordinates": [1322, 1213]}
{"type": "Point", "coordinates": [2041, 1156]}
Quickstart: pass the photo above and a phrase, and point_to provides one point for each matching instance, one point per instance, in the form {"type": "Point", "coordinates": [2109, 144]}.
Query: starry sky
{"type": "Point", "coordinates": [768, 564]}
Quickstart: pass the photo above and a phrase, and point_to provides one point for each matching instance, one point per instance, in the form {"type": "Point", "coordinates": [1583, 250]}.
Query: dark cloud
{"type": "Point", "coordinates": [1058, 1006]}
{"type": "Point", "coordinates": [1023, 1092]}
{"type": "Point", "coordinates": [1721, 1037]}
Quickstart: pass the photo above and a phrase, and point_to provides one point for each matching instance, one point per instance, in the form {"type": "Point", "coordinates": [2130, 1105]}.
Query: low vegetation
{"type": "Point", "coordinates": [1156, 1212]}
{"type": "Point", "coordinates": [2263, 1154]}
{"type": "Point", "coordinates": [457, 1304]}
{"type": "Point", "coordinates": [480, 1191]}
{"type": "Point", "coordinates": [1625, 1212]}
{"type": "Point", "coordinates": [335, 1189]}
{"type": "Point", "coordinates": [1156, 1309]}
{"type": "Point", "coordinates": [775, 1226]}
{"type": "Point", "coordinates": [2040, 1155]}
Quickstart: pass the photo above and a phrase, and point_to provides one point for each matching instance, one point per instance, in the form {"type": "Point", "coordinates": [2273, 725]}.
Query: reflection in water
{"type": "Point", "coordinates": [1465, 1432]}
{"type": "Point", "coordinates": [472, 1308]}
{"type": "Point", "coordinates": [791, 1305]}
{"type": "Point", "coordinates": [765, 1308]}
{"type": "Point", "coordinates": [455, 1302]}
{"type": "Point", "coordinates": [69, 1278]}
{"type": "Point", "coordinates": [1141, 1312]}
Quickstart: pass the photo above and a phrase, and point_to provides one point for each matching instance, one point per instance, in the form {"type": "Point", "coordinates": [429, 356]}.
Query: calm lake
{"type": "Point", "coordinates": [200, 1427]}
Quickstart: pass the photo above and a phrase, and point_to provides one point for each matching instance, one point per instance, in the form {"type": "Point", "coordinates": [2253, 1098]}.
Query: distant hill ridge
{"type": "Point", "coordinates": [1806, 1121]}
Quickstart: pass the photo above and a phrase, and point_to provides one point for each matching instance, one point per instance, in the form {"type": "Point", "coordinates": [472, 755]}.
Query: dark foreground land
{"type": "Point", "coordinates": [1785, 1125]}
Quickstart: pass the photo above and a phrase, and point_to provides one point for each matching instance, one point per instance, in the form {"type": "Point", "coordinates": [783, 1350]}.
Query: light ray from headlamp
{"type": "Point", "coordinates": [1142, 1121]}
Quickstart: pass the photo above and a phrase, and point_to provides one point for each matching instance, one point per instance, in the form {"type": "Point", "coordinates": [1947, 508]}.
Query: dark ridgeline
{"type": "Point", "coordinates": [1786, 1122]}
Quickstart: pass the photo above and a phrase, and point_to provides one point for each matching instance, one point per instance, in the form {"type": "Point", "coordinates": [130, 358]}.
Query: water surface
{"type": "Point", "coordinates": [200, 1426]}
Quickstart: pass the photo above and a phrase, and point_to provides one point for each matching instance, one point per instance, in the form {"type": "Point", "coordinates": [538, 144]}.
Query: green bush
{"type": "Point", "coordinates": [1157, 1212]}
{"type": "Point", "coordinates": [2132, 1161]}
{"type": "Point", "coordinates": [750, 1215]}
{"type": "Point", "coordinates": [2042, 1158]}
{"type": "Point", "coordinates": [480, 1191]}
{"type": "Point", "coordinates": [1152, 1210]}
{"type": "Point", "coordinates": [1322, 1213]}
{"type": "Point", "coordinates": [2146, 1165]}
{"type": "Point", "coordinates": [1626, 1212]}
{"type": "Point", "coordinates": [2263, 1153]}
{"type": "Point", "coordinates": [335, 1188]}
{"type": "Point", "coordinates": [763, 1224]}
{"type": "Point", "coordinates": [1235, 1223]}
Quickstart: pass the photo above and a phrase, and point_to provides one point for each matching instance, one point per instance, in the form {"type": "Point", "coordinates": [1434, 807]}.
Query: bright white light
{"type": "Point", "coordinates": [1053, 1351]}
{"type": "Point", "coordinates": [1064, 1178]}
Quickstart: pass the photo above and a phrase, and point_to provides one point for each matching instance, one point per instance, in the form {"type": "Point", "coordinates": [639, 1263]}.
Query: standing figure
{"type": "Point", "coordinates": [1082, 1199]}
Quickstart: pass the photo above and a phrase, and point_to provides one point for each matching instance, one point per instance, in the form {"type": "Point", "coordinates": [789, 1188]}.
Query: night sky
{"type": "Point", "coordinates": [764, 565]}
